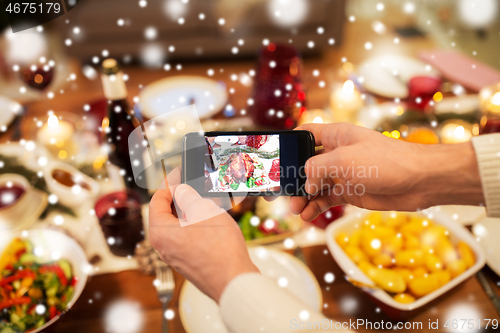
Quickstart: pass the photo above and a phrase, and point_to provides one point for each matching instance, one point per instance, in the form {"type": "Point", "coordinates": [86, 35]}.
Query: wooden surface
{"type": "Point", "coordinates": [343, 301]}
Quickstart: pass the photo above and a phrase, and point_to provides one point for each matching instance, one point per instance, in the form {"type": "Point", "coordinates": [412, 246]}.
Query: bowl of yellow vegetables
{"type": "Point", "coordinates": [403, 260]}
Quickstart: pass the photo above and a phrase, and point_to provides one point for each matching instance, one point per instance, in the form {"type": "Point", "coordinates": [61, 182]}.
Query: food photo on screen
{"type": "Point", "coordinates": [242, 163]}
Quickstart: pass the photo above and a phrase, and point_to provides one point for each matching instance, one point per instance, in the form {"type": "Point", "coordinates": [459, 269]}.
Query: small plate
{"type": "Point", "coordinates": [200, 314]}
{"type": "Point", "coordinates": [175, 92]}
{"type": "Point", "coordinates": [388, 75]}
{"type": "Point", "coordinates": [487, 231]}
{"type": "Point", "coordinates": [8, 111]}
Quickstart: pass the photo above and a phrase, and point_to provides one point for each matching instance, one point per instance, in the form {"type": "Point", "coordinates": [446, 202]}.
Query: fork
{"type": "Point", "coordinates": [165, 287]}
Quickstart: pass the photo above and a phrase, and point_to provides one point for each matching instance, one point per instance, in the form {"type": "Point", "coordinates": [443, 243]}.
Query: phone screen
{"type": "Point", "coordinates": [247, 163]}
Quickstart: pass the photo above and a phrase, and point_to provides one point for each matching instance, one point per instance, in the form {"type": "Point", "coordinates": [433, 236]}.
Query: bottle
{"type": "Point", "coordinates": [118, 123]}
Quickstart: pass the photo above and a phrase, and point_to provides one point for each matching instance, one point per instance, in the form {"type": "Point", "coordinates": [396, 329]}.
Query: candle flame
{"type": "Point", "coordinates": [53, 122]}
{"type": "Point", "coordinates": [459, 132]}
{"type": "Point", "coordinates": [495, 100]}
{"type": "Point", "coordinates": [318, 120]}
{"type": "Point", "coordinates": [348, 88]}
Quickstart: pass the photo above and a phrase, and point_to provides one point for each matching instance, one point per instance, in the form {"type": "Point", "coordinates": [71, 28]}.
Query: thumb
{"type": "Point", "coordinates": [186, 197]}
{"type": "Point", "coordinates": [194, 207]}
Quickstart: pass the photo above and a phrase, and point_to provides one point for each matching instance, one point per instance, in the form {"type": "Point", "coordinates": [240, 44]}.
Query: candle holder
{"type": "Point", "coordinates": [345, 102]}
{"type": "Point", "coordinates": [316, 116]}
{"type": "Point", "coordinates": [489, 101]}
{"type": "Point", "coordinates": [456, 131]}
{"type": "Point", "coordinates": [59, 135]}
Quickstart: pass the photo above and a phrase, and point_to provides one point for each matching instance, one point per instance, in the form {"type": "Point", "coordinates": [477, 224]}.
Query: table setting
{"type": "Point", "coordinates": [76, 185]}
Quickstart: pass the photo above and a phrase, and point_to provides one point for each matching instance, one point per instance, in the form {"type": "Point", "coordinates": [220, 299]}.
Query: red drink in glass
{"type": "Point", "coordinates": [324, 219]}
{"type": "Point", "coordinates": [422, 88]}
{"type": "Point", "coordinates": [38, 77]}
{"type": "Point", "coordinates": [278, 95]}
{"type": "Point", "coordinates": [120, 219]}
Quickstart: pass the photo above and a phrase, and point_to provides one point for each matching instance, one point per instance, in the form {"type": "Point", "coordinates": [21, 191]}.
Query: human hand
{"type": "Point", "coordinates": [369, 170]}
{"type": "Point", "coordinates": [209, 253]}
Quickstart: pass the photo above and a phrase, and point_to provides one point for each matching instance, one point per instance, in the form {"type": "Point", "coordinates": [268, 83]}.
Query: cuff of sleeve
{"type": "Point", "coordinates": [254, 303]}
{"type": "Point", "coordinates": [487, 149]}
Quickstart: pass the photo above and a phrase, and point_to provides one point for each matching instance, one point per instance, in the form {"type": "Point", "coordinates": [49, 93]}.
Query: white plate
{"type": "Point", "coordinates": [348, 224]}
{"type": "Point", "coordinates": [200, 314]}
{"type": "Point", "coordinates": [371, 116]}
{"type": "Point", "coordinates": [55, 243]}
{"type": "Point", "coordinates": [487, 231]}
{"type": "Point", "coordinates": [36, 200]}
{"type": "Point", "coordinates": [8, 111]}
{"type": "Point", "coordinates": [388, 75]}
{"type": "Point", "coordinates": [175, 92]}
{"type": "Point", "coordinates": [226, 139]}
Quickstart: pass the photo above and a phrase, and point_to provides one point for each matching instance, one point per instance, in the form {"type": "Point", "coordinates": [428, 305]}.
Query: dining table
{"type": "Point", "coordinates": [342, 301]}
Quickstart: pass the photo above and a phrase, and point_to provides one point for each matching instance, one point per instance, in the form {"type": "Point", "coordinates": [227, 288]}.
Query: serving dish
{"type": "Point", "coordinates": [353, 221]}
{"type": "Point", "coordinates": [71, 186]}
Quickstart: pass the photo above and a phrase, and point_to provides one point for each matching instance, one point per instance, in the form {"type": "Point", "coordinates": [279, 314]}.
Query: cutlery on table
{"type": "Point", "coordinates": [165, 285]}
{"type": "Point", "coordinates": [495, 300]}
{"type": "Point", "coordinates": [16, 125]}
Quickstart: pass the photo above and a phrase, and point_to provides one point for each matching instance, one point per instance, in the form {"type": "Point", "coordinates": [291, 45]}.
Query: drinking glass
{"type": "Point", "coordinates": [120, 218]}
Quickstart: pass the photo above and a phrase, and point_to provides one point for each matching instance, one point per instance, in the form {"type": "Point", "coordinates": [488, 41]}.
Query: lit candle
{"type": "Point", "coordinates": [456, 132]}
{"type": "Point", "coordinates": [489, 98]}
{"type": "Point", "coordinates": [345, 102]}
{"type": "Point", "coordinates": [315, 116]}
{"type": "Point", "coordinates": [56, 135]}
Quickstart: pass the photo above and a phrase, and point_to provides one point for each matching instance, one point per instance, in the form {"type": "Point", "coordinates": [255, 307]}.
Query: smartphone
{"type": "Point", "coordinates": [257, 163]}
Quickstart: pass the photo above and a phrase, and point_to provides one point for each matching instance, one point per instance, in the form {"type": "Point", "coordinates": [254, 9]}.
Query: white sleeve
{"type": "Point", "coordinates": [487, 149]}
{"type": "Point", "coordinates": [253, 303]}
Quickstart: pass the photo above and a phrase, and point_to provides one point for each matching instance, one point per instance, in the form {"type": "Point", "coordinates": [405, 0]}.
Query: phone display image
{"type": "Point", "coordinates": [254, 163]}
{"type": "Point", "coordinates": [244, 163]}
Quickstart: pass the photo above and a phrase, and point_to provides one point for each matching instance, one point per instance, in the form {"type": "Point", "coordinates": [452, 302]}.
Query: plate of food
{"type": "Point", "coordinates": [269, 222]}
{"type": "Point", "coordinates": [200, 314]}
{"type": "Point", "coordinates": [42, 274]}
{"type": "Point", "coordinates": [403, 260]}
{"type": "Point", "coordinates": [388, 75]}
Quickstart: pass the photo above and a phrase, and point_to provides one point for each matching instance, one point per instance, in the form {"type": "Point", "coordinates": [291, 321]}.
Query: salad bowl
{"type": "Point", "coordinates": [43, 273]}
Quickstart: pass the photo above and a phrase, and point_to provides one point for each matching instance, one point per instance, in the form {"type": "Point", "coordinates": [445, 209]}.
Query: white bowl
{"type": "Point", "coordinates": [18, 206]}
{"type": "Point", "coordinates": [53, 244]}
{"type": "Point", "coordinates": [348, 224]}
{"type": "Point", "coordinates": [65, 194]}
{"type": "Point", "coordinates": [26, 210]}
